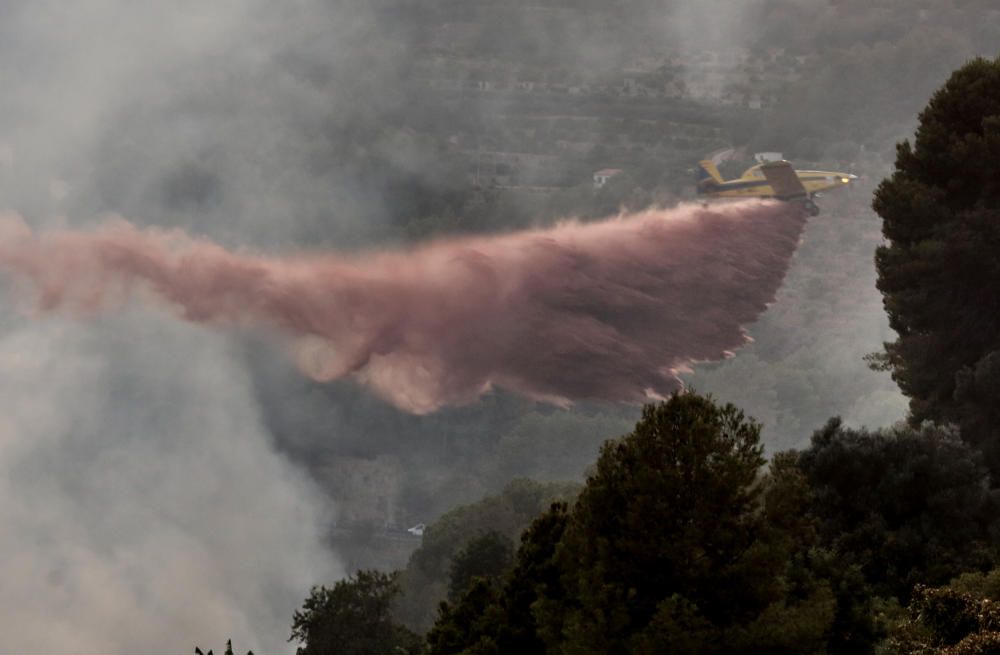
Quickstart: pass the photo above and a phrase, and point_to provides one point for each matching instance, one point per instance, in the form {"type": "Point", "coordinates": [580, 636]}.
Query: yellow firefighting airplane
{"type": "Point", "coordinates": [773, 179]}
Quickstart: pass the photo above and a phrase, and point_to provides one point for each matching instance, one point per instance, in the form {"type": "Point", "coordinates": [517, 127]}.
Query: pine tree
{"type": "Point", "coordinates": [939, 274]}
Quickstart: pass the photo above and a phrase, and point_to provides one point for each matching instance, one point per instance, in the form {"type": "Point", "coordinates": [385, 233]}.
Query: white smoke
{"type": "Point", "coordinates": [709, 38]}
{"type": "Point", "coordinates": [142, 506]}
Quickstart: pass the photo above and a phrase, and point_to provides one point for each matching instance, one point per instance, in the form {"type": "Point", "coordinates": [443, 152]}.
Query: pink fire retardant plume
{"type": "Point", "coordinates": [609, 310]}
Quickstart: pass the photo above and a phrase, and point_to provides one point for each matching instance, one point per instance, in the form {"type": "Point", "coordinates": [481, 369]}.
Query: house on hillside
{"type": "Point", "coordinates": [602, 176]}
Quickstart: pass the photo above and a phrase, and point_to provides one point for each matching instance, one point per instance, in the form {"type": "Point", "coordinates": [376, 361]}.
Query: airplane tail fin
{"type": "Point", "coordinates": [707, 175]}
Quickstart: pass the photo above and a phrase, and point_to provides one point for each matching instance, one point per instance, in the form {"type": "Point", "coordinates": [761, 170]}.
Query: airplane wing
{"type": "Point", "coordinates": [784, 180]}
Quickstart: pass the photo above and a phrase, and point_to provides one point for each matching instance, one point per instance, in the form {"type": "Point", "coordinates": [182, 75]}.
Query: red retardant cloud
{"type": "Point", "coordinates": [609, 310]}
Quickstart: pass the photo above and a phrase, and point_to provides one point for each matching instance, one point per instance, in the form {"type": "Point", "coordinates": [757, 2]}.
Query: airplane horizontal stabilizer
{"type": "Point", "coordinates": [708, 174]}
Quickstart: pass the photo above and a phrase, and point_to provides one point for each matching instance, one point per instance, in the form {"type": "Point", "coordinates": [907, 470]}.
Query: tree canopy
{"type": "Point", "coordinates": [487, 557]}
{"type": "Point", "coordinates": [353, 618]}
{"type": "Point", "coordinates": [439, 568]}
{"type": "Point", "coordinates": [678, 543]}
{"type": "Point", "coordinates": [939, 274]}
{"type": "Point", "coordinates": [905, 505]}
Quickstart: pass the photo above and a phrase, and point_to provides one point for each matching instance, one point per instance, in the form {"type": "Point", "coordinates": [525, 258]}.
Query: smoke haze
{"type": "Point", "coordinates": [130, 526]}
{"type": "Point", "coordinates": [606, 311]}
{"type": "Point", "coordinates": [145, 507]}
{"type": "Point", "coordinates": [148, 503]}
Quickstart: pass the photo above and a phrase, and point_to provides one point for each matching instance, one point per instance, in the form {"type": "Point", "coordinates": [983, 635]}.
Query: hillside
{"type": "Point", "coordinates": [496, 116]}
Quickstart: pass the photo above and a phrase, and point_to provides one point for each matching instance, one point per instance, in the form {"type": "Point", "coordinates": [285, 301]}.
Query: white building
{"type": "Point", "coordinates": [602, 176]}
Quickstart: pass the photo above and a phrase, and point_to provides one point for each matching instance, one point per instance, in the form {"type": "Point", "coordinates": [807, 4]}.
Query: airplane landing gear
{"type": "Point", "coordinates": [810, 207]}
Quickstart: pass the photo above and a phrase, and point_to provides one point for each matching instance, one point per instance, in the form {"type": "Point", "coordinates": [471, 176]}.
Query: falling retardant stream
{"type": "Point", "coordinates": [609, 310]}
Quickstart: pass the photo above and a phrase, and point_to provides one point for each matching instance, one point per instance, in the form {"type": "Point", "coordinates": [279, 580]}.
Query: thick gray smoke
{"type": "Point", "coordinates": [144, 506]}
{"type": "Point", "coordinates": [217, 117]}
{"type": "Point", "coordinates": [143, 503]}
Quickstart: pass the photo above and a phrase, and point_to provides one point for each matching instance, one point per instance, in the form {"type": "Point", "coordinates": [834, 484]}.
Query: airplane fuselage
{"type": "Point", "coordinates": [752, 184]}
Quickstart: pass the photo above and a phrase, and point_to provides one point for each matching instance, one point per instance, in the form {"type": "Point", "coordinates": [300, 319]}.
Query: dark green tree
{"type": "Point", "coordinates": [678, 543]}
{"type": "Point", "coordinates": [904, 505]}
{"type": "Point", "coordinates": [939, 274]}
{"type": "Point", "coordinates": [353, 618]}
{"type": "Point", "coordinates": [512, 627]}
{"type": "Point", "coordinates": [686, 471]}
{"type": "Point", "coordinates": [425, 581]}
{"type": "Point", "coordinates": [471, 625]}
{"type": "Point", "coordinates": [229, 650]}
{"type": "Point", "coordinates": [487, 557]}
